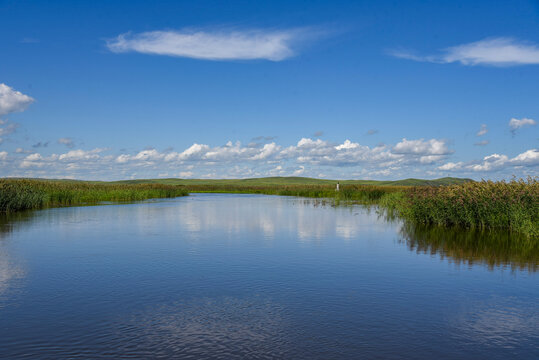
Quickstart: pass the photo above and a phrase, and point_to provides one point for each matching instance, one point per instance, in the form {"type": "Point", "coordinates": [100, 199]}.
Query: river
{"type": "Point", "coordinates": [226, 276]}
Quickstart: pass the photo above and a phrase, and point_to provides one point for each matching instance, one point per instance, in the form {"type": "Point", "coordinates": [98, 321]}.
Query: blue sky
{"type": "Point", "coordinates": [334, 89]}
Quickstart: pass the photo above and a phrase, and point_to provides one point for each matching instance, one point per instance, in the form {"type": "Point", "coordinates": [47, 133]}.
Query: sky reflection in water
{"type": "Point", "coordinates": [235, 276]}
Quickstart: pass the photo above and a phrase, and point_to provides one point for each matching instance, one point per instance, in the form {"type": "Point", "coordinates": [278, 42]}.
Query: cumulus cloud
{"type": "Point", "coordinates": [12, 100]}
{"type": "Point", "coordinates": [422, 147]}
{"type": "Point", "coordinates": [77, 155]}
{"type": "Point", "coordinates": [495, 162]}
{"type": "Point", "coordinates": [451, 166]}
{"type": "Point", "coordinates": [347, 145]}
{"type": "Point", "coordinates": [72, 159]}
{"type": "Point", "coordinates": [515, 124]}
{"type": "Point", "coordinates": [530, 157]}
{"type": "Point", "coordinates": [185, 174]}
{"type": "Point", "coordinates": [308, 157]}
{"type": "Point", "coordinates": [491, 162]}
{"type": "Point", "coordinates": [483, 130]}
{"type": "Point", "coordinates": [500, 51]}
{"type": "Point", "coordinates": [274, 45]}
{"type": "Point", "coordinates": [267, 151]}
{"type": "Point", "coordinates": [299, 171]}
{"type": "Point", "coordinates": [67, 142]}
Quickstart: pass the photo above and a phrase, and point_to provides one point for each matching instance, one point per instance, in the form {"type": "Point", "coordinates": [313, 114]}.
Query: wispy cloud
{"type": "Point", "coordinates": [12, 100]}
{"type": "Point", "coordinates": [482, 143]}
{"type": "Point", "coordinates": [500, 51]}
{"type": "Point", "coordinates": [10, 128]}
{"type": "Point", "coordinates": [483, 130]}
{"type": "Point", "coordinates": [7, 128]}
{"type": "Point", "coordinates": [274, 45]}
{"type": "Point", "coordinates": [515, 124]}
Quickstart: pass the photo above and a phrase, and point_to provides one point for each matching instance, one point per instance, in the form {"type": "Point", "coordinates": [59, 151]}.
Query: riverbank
{"type": "Point", "coordinates": [24, 194]}
{"type": "Point", "coordinates": [484, 205]}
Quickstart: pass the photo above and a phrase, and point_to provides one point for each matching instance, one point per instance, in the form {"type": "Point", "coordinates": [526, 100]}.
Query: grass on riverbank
{"type": "Point", "coordinates": [512, 205]}
{"type": "Point", "coordinates": [22, 194]}
{"type": "Point", "coordinates": [484, 205]}
{"type": "Point", "coordinates": [364, 194]}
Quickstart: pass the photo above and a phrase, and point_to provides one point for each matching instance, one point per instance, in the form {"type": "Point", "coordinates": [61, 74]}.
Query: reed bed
{"type": "Point", "coordinates": [512, 205]}
{"type": "Point", "coordinates": [22, 194]}
{"type": "Point", "coordinates": [365, 194]}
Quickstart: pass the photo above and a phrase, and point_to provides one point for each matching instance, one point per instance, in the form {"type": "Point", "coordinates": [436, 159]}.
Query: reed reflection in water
{"type": "Point", "coordinates": [493, 248]}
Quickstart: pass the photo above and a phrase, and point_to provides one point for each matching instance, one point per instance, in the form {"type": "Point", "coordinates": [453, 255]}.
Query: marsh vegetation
{"type": "Point", "coordinates": [485, 205]}
{"type": "Point", "coordinates": [24, 194]}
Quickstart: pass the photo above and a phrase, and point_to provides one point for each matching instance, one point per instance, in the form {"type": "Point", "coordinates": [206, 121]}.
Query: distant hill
{"type": "Point", "coordinates": [295, 180]}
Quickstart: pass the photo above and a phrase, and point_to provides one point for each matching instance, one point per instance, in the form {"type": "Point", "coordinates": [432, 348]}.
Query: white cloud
{"type": "Point", "coordinates": [195, 151]}
{"type": "Point", "coordinates": [496, 162]}
{"type": "Point", "coordinates": [308, 157]}
{"type": "Point", "coordinates": [515, 124]}
{"type": "Point", "coordinates": [148, 155]}
{"type": "Point", "coordinates": [501, 51]}
{"type": "Point", "coordinates": [32, 160]}
{"type": "Point", "coordinates": [491, 162]}
{"type": "Point", "coordinates": [422, 147]}
{"type": "Point", "coordinates": [77, 155]}
{"type": "Point", "coordinates": [347, 145]}
{"type": "Point", "coordinates": [267, 151]}
{"type": "Point", "coordinates": [320, 152]}
{"type": "Point", "coordinates": [123, 158]}
{"type": "Point", "coordinates": [144, 155]}
{"type": "Point", "coordinates": [12, 101]}
{"type": "Point", "coordinates": [22, 151]}
{"type": "Point", "coordinates": [299, 171]}
{"type": "Point", "coordinates": [451, 166]}
{"type": "Point", "coordinates": [275, 45]}
{"type": "Point", "coordinates": [34, 157]}
{"type": "Point", "coordinates": [185, 174]}
{"type": "Point", "coordinates": [483, 130]}
{"type": "Point", "coordinates": [3, 155]}
{"type": "Point", "coordinates": [529, 157]}
{"type": "Point", "coordinates": [429, 159]}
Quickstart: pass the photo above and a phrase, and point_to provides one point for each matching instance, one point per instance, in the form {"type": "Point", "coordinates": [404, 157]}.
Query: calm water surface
{"type": "Point", "coordinates": [246, 276]}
